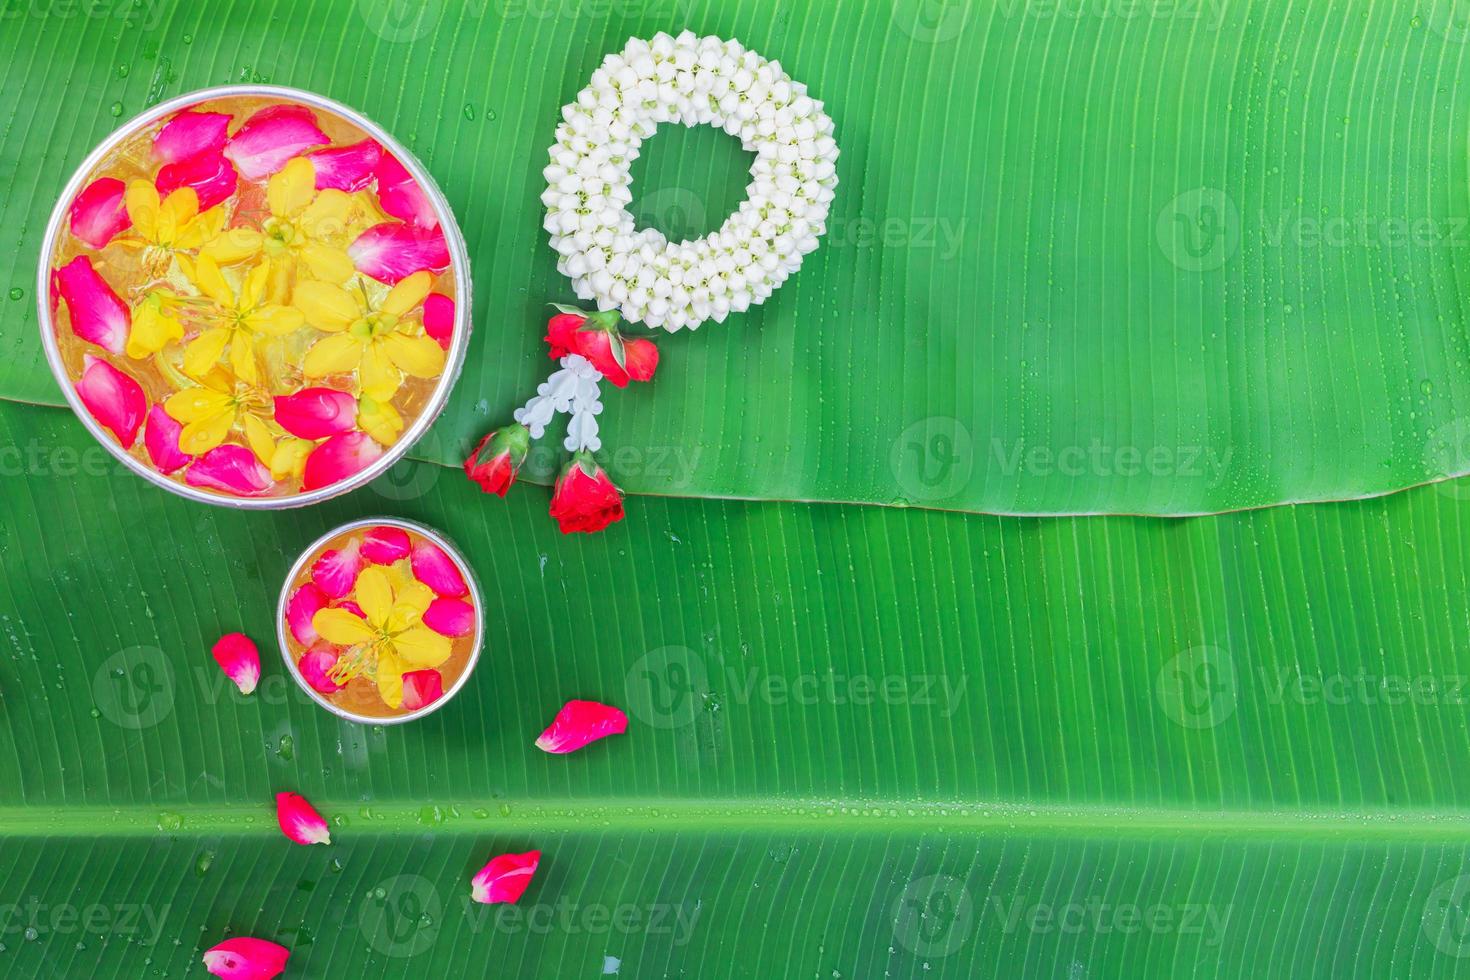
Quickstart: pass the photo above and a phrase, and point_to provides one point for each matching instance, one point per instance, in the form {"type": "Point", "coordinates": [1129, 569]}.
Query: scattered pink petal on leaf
{"type": "Point", "coordinates": [581, 722]}
{"type": "Point", "coordinates": [314, 666]}
{"type": "Point", "coordinates": [450, 617]}
{"type": "Point", "coordinates": [300, 821]}
{"type": "Point", "coordinates": [113, 398]}
{"type": "Point", "coordinates": [401, 196]}
{"type": "Point", "coordinates": [393, 251]}
{"type": "Point", "coordinates": [98, 212]}
{"type": "Point", "coordinates": [271, 137]}
{"type": "Point", "coordinates": [161, 438]}
{"type": "Point", "coordinates": [340, 457]}
{"type": "Point", "coordinates": [421, 688]}
{"type": "Point", "coordinates": [433, 567]}
{"type": "Point", "coordinates": [98, 315]}
{"type": "Point", "coordinates": [335, 572]}
{"type": "Point", "coordinates": [505, 878]}
{"type": "Point", "coordinates": [244, 958]}
{"type": "Point", "coordinates": [383, 545]}
{"type": "Point", "coordinates": [232, 469]}
{"type": "Point", "coordinates": [439, 318]}
{"type": "Point", "coordinates": [305, 603]}
{"type": "Point", "coordinates": [210, 174]}
{"type": "Point", "coordinates": [239, 659]}
{"type": "Point", "coordinates": [346, 168]}
{"type": "Point", "coordinates": [316, 413]}
{"type": "Point", "coordinates": [189, 134]}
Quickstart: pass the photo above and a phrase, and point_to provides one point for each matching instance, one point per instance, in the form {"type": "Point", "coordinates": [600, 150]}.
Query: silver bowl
{"type": "Point", "coordinates": [284, 638]}
{"type": "Point", "coordinates": [458, 257]}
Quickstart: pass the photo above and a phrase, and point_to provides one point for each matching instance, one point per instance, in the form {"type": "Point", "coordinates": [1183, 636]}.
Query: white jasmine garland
{"type": "Point", "coordinates": [689, 80]}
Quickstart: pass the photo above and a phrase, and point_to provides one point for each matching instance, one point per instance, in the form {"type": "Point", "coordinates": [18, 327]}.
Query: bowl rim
{"type": "Point", "coordinates": [458, 261]}
{"type": "Point", "coordinates": [283, 639]}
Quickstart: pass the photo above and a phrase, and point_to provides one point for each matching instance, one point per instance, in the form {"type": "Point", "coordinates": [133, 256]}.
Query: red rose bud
{"type": "Point", "coordinates": [603, 348]}
{"type": "Point", "coordinates": [498, 458]}
{"type": "Point", "coordinates": [585, 498]}
{"type": "Point", "coordinates": [640, 357]}
{"type": "Point", "coordinates": [561, 334]}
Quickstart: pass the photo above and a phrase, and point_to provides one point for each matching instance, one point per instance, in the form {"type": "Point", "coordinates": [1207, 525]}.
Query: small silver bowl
{"type": "Point", "coordinates": [285, 639]}
{"type": "Point", "coordinates": [459, 262]}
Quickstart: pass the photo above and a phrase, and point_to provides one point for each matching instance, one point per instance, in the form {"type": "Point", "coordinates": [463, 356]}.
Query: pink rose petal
{"type": "Point", "coordinates": [393, 251]}
{"type": "Point", "coordinates": [421, 688]}
{"type": "Point", "coordinates": [305, 603]}
{"type": "Point", "coordinates": [113, 398]}
{"type": "Point", "coordinates": [383, 545]}
{"type": "Point", "coordinates": [353, 608]}
{"type": "Point", "coordinates": [189, 134]}
{"type": "Point", "coordinates": [209, 173]}
{"type": "Point", "coordinates": [346, 168]}
{"type": "Point", "coordinates": [316, 413]}
{"type": "Point", "coordinates": [98, 315]}
{"type": "Point", "coordinates": [402, 197]}
{"type": "Point", "coordinates": [338, 458]}
{"type": "Point", "coordinates": [335, 572]}
{"type": "Point", "coordinates": [231, 469]}
{"type": "Point", "coordinates": [581, 722]}
{"type": "Point", "coordinates": [98, 213]}
{"type": "Point", "coordinates": [505, 878]}
{"type": "Point", "coordinates": [314, 666]}
{"type": "Point", "coordinates": [300, 821]}
{"type": "Point", "coordinates": [439, 318]}
{"type": "Point", "coordinates": [271, 137]}
{"type": "Point", "coordinates": [433, 567]}
{"type": "Point", "coordinates": [161, 438]}
{"type": "Point", "coordinates": [239, 659]}
{"type": "Point", "coordinates": [450, 617]}
{"type": "Point", "coordinates": [244, 958]}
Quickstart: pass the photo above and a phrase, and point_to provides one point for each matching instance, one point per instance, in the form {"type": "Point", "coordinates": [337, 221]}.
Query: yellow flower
{"type": "Point", "coordinates": [379, 420]}
{"type": "Point", "coordinates": [289, 459]}
{"type": "Point", "coordinates": [374, 341]}
{"type": "Point", "coordinates": [234, 319]}
{"type": "Point", "coordinates": [171, 225]}
{"type": "Point", "coordinates": [304, 225]}
{"type": "Point", "coordinates": [155, 325]}
{"type": "Point", "coordinates": [210, 410]}
{"type": "Point", "coordinates": [390, 635]}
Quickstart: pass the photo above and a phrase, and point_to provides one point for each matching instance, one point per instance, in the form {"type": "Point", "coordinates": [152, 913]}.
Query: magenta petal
{"type": "Point", "coordinates": [339, 458]}
{"type": "Point", "coordinates": [402, 197]}
{"type": "Point", "coordinates": [209, 173]}
{"type": "Point", "coordinates": [505, 878]}
{"type": "Point", "coordinates": [346, 168]}
{"type": "Point", "coordinates": [393, 251]}
{"type": "Point", "coordinates": [580, 722]}
{"type": "Point", "coordinates": [305, 603]}
{"type": "Point", "coordinates": [113, 398]}
{"type": "Point", "coordinates": [98, 212]}
{"type": "Point", "coordinates": [433, 567]}
{"type": "Point", "coordinates": [300, 821]}
{"type": "Point", "coordinates": [421, 688]}
{"type": "Point", "coordinates": [231, 469]}
{"type": "Point", "coordinates": [244, 958]}
{"type": "Point", "coordinates": [316, 413]}
{"type": "Point", "coordinates": [314, 666]}
{"type": "Point", "coordinates": [335, 572]}
{"type": "Point", "coordinates": [383, 545]}
{"type": "Point", "coordinates": [450, 617]}
{"type": "Point", "coordinates": [439, 318]}
{"type": "Point", "coordinates": [190, 133]}
{"type": "Point", "coordinates": [353, 608]}
{"type": "Point", "coordinates": [238, 657]}
{"type": "Point", "coordinates": [161, 437]}
{"type": "Point", "coordinates": [272, 136]}
{"type": "Point", "coordinates": [98, 315]}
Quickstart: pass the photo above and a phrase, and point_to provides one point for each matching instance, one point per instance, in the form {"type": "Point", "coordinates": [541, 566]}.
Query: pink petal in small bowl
{"type": "Point", "coordinates": [299, 820]}
{"type": "Point", "coordinates": [315, 665]}
{"type": "Point", "coordinates": [209, 173]}
{"type": "Point", "coordinates": [244, 958]}
{"type": "Point", "coordinates": [316, 413]}
{"type": "Point", "coordinates": [505, 878]}
{"type": "Point", "coordinates": [439, 318]}
{"type": "Point", "coordinates": [271, 137]}
{"type": "Point", "coordinates": [98, 315]}
{"type": "Point", "coordinates": [581, 722]}
{"type": "Point", "coordinates": [98, 214]}
{"type": "Point", "coordinates": [338, 458]}
{"type": "Point", "coordinates": [421, 688]}
{"type": "Point", "coordinates": [450, 617]}
{"type": "Point", "coordinates": [346, 168]}
{"type": "Point", "coordinates": [335, 572]}
{"type": "Point", "coordinates": [113, 398]}
{"type": "Point", "coordinates": [384, 545]}
{"type": "Point", "coordinates": [393, 251]}
{"type": "Point", "coordinates": [231, 469]}
{"type": "Point", "coordinates": [161, 438]}
{"type": "Point", "coordinates": [401, 196]}
{"type": "Point", "coordinates": [305, 603]}
{"type": "Point", "coordinates": [239, 659]}
{"type": "Point", "coordinates": [437, 570]}
{"type": "Point", "coordinates": [190, 134]}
